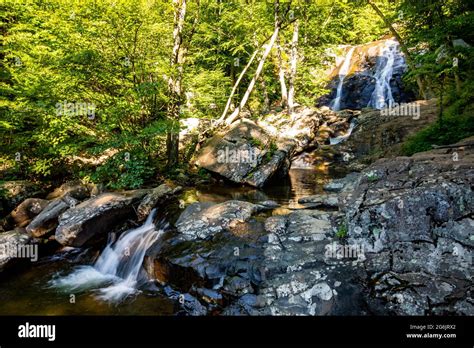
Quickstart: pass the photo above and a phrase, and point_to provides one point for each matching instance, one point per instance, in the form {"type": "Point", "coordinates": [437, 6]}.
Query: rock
{"type": "Point", "coordinates": [47, 221]}
{"type": "Point", "coordinates": [74, 189]}
{"type": "Point", "coordinates": [341, 185]}
{"type": "Point", "coordinates": [418, 212]}
{"type": "Point", "coordinates": [13, 193]}
{"type": "Point", "coordinates": [268, 204]}
{"type": "Point", "coordinates": [156, 195]}
{"type": "Point", "coordinates": [27, 210]}
{"type": "Point", "coordinates": [93, 218]}
{"type": "Point", "coordinates": [203, 220]}
{"type": "Point", "coordinates": [16, 246]}
{"type": "Point", "coordinates": [379, 135]}
{"type": "Point", "coordinates": [328, 201]}
{"type": "Point", "coordinates": [298, 131]}
{"type": "Point", "coordinates": [245, 154]}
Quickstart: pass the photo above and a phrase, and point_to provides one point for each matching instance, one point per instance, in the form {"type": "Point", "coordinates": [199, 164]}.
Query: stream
{"type": "Point", "coordinates": [92, 282]}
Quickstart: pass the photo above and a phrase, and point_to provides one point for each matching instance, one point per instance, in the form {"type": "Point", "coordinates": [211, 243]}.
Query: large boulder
{"type": "Point", "coordinates": [27, 210]}
{"type": "Point", "coordinates": [154, 197]}
{"type": "Point", "coordinates": [245, 154]}
{"type": "Point", "coordinates": [413, 218]}
{"type": "Point", "coordinates": [95, 217]}
{"type": "Point", "coordinates": [47, 220]}
{"type": "Point", "coordinates": [203, 220]}
{"type": "Point", "coordinates": [214, 253]}
{"type": "Point", "coordinates": [16, 246]}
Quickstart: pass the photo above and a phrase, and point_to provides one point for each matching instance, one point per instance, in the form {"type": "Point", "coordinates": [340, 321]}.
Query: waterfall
{"type": "Point", "coordinates": [386, 63]}
{"type": "Point", "coordinates": [336, 102]}
{"type": "Point", "coordinates": [116, 273]}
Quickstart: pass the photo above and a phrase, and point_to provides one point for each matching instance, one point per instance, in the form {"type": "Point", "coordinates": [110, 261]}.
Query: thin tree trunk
{"type": "Point", "coordinates": [403, 47]}
{"type": "Point", "coordinates": [236, 85]}
{"type": "Point", "coordinates": [232, 117]}
{"type": "Point", "coordinates": [293, 65]}
{"type": "Point", "coordinates": [266, 99]}
{"type": "Point", "coordinates": [174, 84]}
{"type": "Point", "coordinates": [281, 75]}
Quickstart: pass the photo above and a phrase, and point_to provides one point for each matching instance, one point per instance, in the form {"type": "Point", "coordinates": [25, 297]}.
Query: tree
{"type": "Point", "coordinates": [261, 63]}
{"type": "Point", "coordinates": [175, 83]}
{"type": "Point", "coordinates": [293, 65]}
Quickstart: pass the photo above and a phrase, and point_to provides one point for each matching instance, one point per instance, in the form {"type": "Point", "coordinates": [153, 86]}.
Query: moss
{"type": "Point", "coordinates": [342, 231]}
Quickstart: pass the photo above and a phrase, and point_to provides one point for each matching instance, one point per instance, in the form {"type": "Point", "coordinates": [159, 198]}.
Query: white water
{"type": "Point", "coordinates": [115, 274]}
{"type": "Point", "coordinates": [341, 138]}
{"type": "Point", "coordinates": [382, 94]}
{"type": "Point", "coordinates": [336, 102]}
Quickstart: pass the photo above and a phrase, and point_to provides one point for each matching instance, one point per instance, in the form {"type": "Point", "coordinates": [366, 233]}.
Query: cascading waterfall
{"type": "Point", "coordinates": [343, 71]}
{"type": "Point", "coordinates": [116, 273]}
{"type": "Point", "coordinates": [382, 94]}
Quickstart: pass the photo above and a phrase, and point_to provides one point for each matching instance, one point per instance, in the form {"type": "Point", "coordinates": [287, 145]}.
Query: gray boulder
{"type": "Point", "coordinates": [245, 154]}
{"type": "Point", "coordinates": [96, 216]}
{"type": "Point", "coordinates": [203, 220]}
{"type": "Point", "coordinates": [152, 198]}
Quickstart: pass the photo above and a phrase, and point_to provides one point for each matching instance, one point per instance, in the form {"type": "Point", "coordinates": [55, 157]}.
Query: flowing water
{"type": "Point", "coordinates": [343, 71]}
{"type": "Point", "coordinates": [112, 281]}
{"type": "Point", "coordinates": [390, 59]}
{"type": "Point", "coordinates": [116, 273]}
{"type": "Point", "coordinates": [341, 138]}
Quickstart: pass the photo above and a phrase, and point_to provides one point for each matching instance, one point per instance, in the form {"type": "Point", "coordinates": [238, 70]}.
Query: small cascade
{"type": "Point", "coordinates": [343, 71]}
{"type": "Point", "coordinates": [116, 273]}
{"type": "Point", "coordinates": [341, 138]}
{"type": "Point", "coordinates": [382, 94]}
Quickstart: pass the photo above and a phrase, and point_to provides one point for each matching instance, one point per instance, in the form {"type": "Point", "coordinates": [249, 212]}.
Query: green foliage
{"type": "Point", "coordinates": [455, 126]}
{"type": "Point", "coordinates": [342, 231]}
{"type": "Point", "coordinates": [81, 79]}
{"type": "Point", "coordinates": [124, 171]}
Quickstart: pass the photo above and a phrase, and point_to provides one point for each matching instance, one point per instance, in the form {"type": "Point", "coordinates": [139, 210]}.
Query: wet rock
{"type": "Point", "coordinates": [328, 201]}
{"type": "Point", "coordinates": [27, 210]}
{"type": "Point", "coordinates": [93, 218]}
{"type": "Point", "coordinates": [203, 220]}
{"type": "Point", "coordinates": [154, 197]}
{"type": "Point", "coordinates": [379, 135]}
{"type": "Point", "coordinates": [268, 204]}
{"type": "Point", "coordinates": [15, 247]}
{"type": "Point", "coordinates": [47, 221]}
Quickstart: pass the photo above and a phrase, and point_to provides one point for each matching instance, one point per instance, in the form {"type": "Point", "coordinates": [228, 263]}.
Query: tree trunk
{"type": "Point", "coordinates": [281, 75]}
{"type": "Point", "coordinates": [403, 47]}
{"type": "Point", "coordinates": [236, 85]}
{"type": "Point", "coordinates": [293, 65]}
{"type": "Point", "coordinates": [266, 99]}
{"type": "Point", "coordinates": [232, 117]}
{"type": "Point", "coordinates": [174, 84]}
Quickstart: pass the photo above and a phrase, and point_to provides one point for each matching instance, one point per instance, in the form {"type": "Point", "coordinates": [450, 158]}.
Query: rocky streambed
{"type": "Point", "coordinates": [392, 237]}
